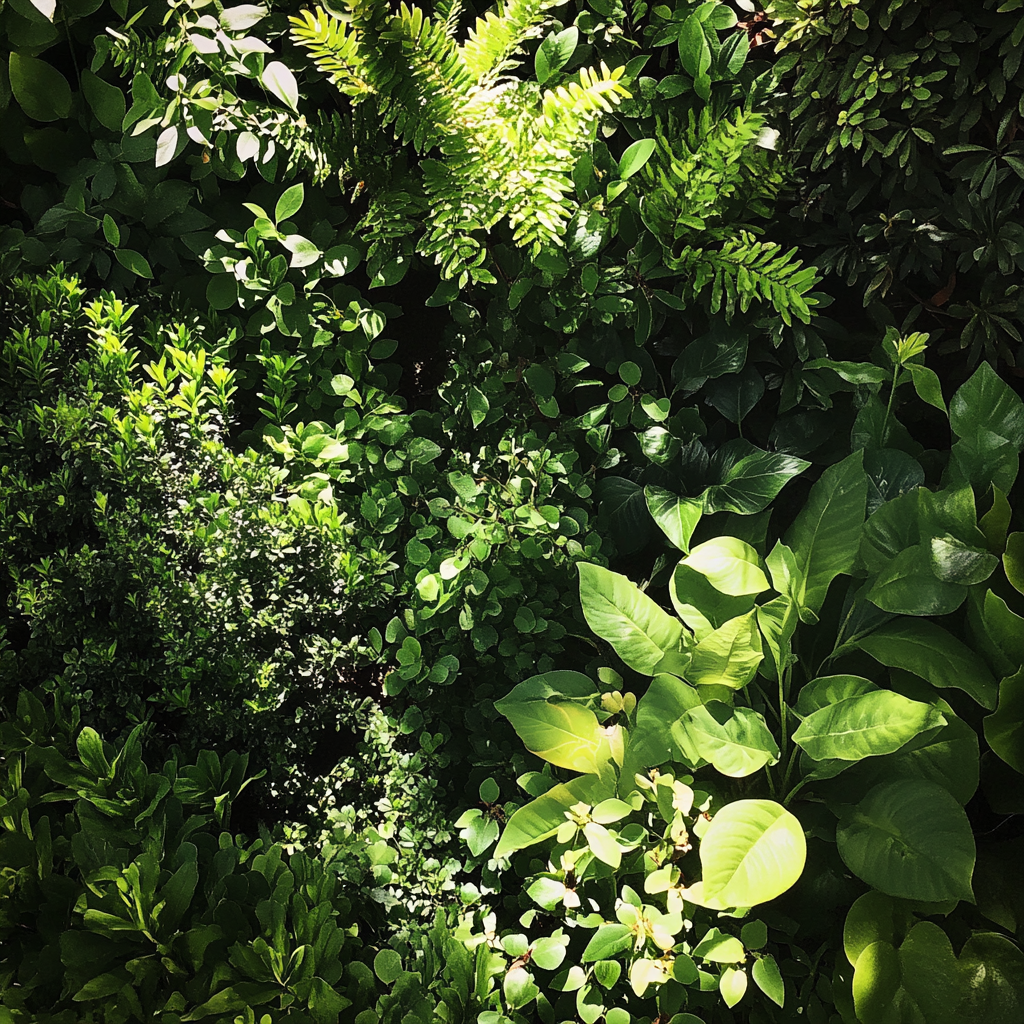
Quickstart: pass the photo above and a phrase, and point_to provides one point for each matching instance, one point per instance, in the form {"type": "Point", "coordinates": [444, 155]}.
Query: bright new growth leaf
{"type": "Point", "coordinates": [504, 147]}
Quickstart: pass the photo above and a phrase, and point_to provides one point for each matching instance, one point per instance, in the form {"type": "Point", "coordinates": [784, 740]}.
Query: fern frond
{"type": "Point", "coordinates": [745, 269]}
{"type": "Point", "coordinates": [573, 105]}
{"type": "Point", "coordinates": [499, 33]}
{"type": "Point", "coordinates": [333, 47]}
{"type": "Point", "coordinates": [449, 11]}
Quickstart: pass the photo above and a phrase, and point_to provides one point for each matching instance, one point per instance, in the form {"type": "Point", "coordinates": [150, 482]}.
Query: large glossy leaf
{"type": "Point", "coordinates": [748, 478]}
{"type": "Point", "coordinates": [826, 534]}
{"type": "Point", "coordinates": [41, 90]}
{"type": "Point", "coordinates": [987, 403]}
{"type": "Point", "coordinates": [1004, 729]}
{"type": "Point", "coordinates": [908, 586]}
{"type": "Point", "coordinates": [677, 517]}
{"type": "Point", "coordinates": [702, 607]}
{"type": "Point", "coordinates": [910, 839]}
{"type": "Point", "coordinates": [931, 976]}
{"type": "Point", "coordinates": [932, 653]}
{"type": "Point", "coordinates": [876, 980]}
{"type": "Point", "coordinates": [729, 655]}
{"type": "Point", "coordinates": [993, 969]}
{"type": "Point", "coordinates": [730, 565]}
{"type": "Point", "coordinates": [753, 851]}
{"type": "Point", "coordinates": [565, 733]}
{"type": "Point", "coordinates": [892, 528]}
{"type": "Point", "coordinates": [540, 819]}
{"type": "Point", "coordinates": [825, 690]}
{"type": "Point", "coordinates": [623, 508]}
{"type": "Point", "coordinates": [891, 473]}
{"type": "Point", "coordinates": [617, 611]}
{"type": "Point", "coordinates": [866, 725]}
{"type": "Point", "coordinates": [735, 740]}
{"type": "Point", "coordinates": [949, 757]}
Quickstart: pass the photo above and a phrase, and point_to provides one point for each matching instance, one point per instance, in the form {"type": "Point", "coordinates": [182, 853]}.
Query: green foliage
{"type": "Point", "coordinates": [906, 116]}
{"type": "Point", "coordinates": [764, 737]}
{"type": "Point", "coordinates": [159, 576]}
{"type": "Point", "coordinates": [125, 896]}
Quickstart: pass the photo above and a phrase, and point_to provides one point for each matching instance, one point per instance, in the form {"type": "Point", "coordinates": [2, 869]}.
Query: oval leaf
{"type": "Point", "coordinates": [869, 724]}
{"type": "Point", "coordinates": [281, 82]}
{"type": "Point", "coordinates": [753, 851]}
{"type": "Point", "coordinates": [910, 839]}
{"type": "Point", "coordinates": [635, 157]}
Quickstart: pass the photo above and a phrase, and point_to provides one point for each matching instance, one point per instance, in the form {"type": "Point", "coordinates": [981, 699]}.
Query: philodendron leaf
{"type": "Point", "coordinates": [650, 743]}
{"type": "Point", "coordinates": [931, 982]}
{"type": "Point", "coordinates": [735, 740]}
{"type": "Point", "coordinates": [748, 478]}
{"type": "Point", "coordinates": [753, 851]}
{"type": "Point", "coordinates": [911, 839]}
{"type": "Point", "coordinates": [729, 655]}
{"type": "Point", "coordinates": [934, 654]}
{"type": "Point", "coordinates": [540, 819]}
{"type": "Point", "coordinates": [826, 534]}
{"type": "Point", "coordinates": [641, 632]}
{"type": "Point", "coordinates": [703, 608]}
{"type": "Point", "coordinates": [909, 586]}
{"type": "Point", "coordinates": [869, 724]}
{"type": "Point", "coordinates": [825, 690]}
{"type": "Point", "coordinates": [677, 517]}
{"type": "Point", "coordinates": [730, 565]}
{"type": "Point", "coordinates": [993, 968]}
{"type": "Point", "coordinates": [876, 980]}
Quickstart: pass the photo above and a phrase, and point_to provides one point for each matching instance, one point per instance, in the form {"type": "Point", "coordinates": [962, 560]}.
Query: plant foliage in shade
{"type": "Point", "coordinates": [907, 118]}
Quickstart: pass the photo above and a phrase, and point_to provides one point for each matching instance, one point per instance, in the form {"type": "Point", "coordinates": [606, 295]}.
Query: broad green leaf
{"type": "Point", "coordinates": [949, 757]}
{"type": "Point", "coordinates": [623, 508]}
{"type": "Point", "coordinates": [1004, 729]}
{"type": "Point", "coordinates": [753, 851]}
{"type": "Point", "coordinates": [695, 54]}
{"type": "Point", "coordinates": [891, 473]}
{"type": "Point", "coordinates": [720, 948]}
{"type": "Point", "coordinates": [932, 653]}
{"type": "Point", "coordinates": [732, 985]}
{"type": "Point", "coordinates": [641, 632]}
{"type": "Point", "coordinates": [826, 534]}
{"type": "Point", "coordinates": [985, 403]}
{"type": "Point", "coordinates": [540, 819]}
{"type": "Point", "coordinates": [135, 262]}
{"type": "Point", "coordinates": [554, 52]}
{"type": "Point", "coordinates": [278, 78]}
{"type": "Point", "coordinates": [735, 740]}
{"type": "Point", "coordinates": [729, 656]}
{"type": "Point", "coordinates": [105, 100]}
{"type": "Point", "coordinates": [1005, 627]}
{"type": "Point", "coordinates": [879, 722]}
{"type": "Point", "coordinates": [702, 607]}
{"type": "Point", "coordinates": [909, 839]}
{"type": "Point", "coordinates": [677, 517]}
{"type": "Point", "coordinates": [874, 917]}
{"type": "Point", "coordinates": [731, 566]}
{"type": "Point", "coordinates": [234, 999]}
{"type": "Point", "coordinates": [891, 529]}
{"type": "Point", "coordinates": [568, 735]}
{"type": "Point", "coordinates": [909, 586]}
{"type": "Point", "coordinates": [876, 980]}
{"type": "Point", "coordinates": [952, 561]}
{"type": "Point", "coordinates": [111, 232]}
{"type": "Point", "coordinates": [748, 478]}
{"type": "Point", "coordinates": [993, 967]}
{"type": "Point", "coordinates": [931, 976]}
{"type": "Point", "coordinates": [519, 988]}
{"type": "Point", "coordinates": [820, 693]}
{"type": "Point", "coordinates": [40, 89]}
{"type": "Point", "coordinates": [549, 952]}
{"type": "Point", "coordinates": [768, 978]}
{"type": "Point", "coordinates": [995, 523]}
{"type": "Point", "coordinates": [777, 620]}
{"type": "Point", "coordinates": [290, 203]}
{"type": "Point", "coordinates": [635, 157]}
{"type": "Point", "coordinates": [91, 753]}
{"type": "Point", "coordinates": [608, 941]}
{"type": "Point", "coordinates": [855, 373]}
